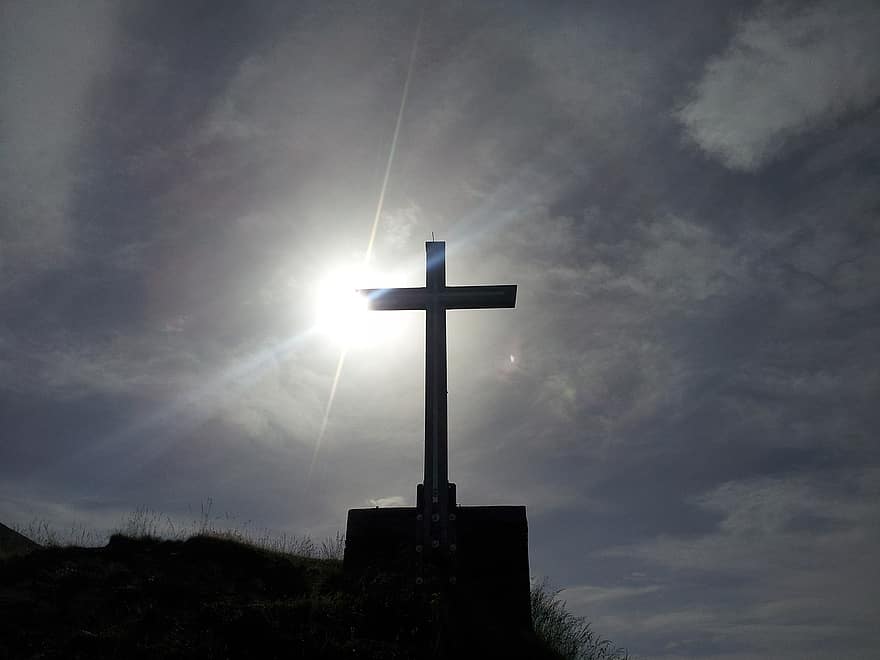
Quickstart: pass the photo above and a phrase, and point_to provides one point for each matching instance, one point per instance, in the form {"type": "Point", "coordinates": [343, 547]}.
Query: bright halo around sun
{"type": "Point", "coordinates": [343, 315]}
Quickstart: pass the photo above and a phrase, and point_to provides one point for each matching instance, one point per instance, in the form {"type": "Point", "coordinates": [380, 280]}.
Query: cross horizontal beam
{"type": "Point", "coordinates": [448, 297]}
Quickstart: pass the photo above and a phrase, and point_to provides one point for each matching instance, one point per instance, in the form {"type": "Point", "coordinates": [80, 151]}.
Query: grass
{"type": "Point", "coordinates": [203, 597]}
{"type": "Point", "coordinates": [144, 523]}
{"type": "Point", "coordinates": [570, 636]}
{"type": "Point", "coordinates": [152, 587]}
{"type": "Point", "coordinates": [43, 533]}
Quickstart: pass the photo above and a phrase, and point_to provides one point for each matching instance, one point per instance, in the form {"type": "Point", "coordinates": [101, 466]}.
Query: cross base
{"type": "Point", "coordinates": [483, 583]}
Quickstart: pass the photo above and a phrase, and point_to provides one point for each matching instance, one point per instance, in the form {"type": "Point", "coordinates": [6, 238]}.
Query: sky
{"type": "Point", "coordinates": [686, 194]}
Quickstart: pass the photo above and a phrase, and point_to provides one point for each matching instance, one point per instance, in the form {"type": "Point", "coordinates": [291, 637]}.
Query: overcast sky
{"type": "Point", "coordinates": [686, 193]}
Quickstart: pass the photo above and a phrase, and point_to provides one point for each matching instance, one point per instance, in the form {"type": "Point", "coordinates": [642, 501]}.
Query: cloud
{"type": "Point", "coordinates": [624, 371]}
{"type": "Point", "coordinates": [588, 595]}
{"type": "Point", "coordinates": [397, 227]}
{"type": "Point", "coordinates": [395, 500]}
{"type": "Point", "coordinates": [119, 366]}
{"type": "Point", "coordinates": [666, 260]}
{"type": "Point", "coordinates": [791, 68]}
{"type": "Point", "coordinates": [51, 55]}
{"type": "Point", "coordinates": [799, 550]}
{"type": "Point", "coordinates": [760, 524]}
{"type": "Point", "coordinates": [262, 389]}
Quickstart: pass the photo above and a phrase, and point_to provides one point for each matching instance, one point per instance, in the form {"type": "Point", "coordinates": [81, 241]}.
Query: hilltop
{"type": "Point", "coordinates": [209, 597]}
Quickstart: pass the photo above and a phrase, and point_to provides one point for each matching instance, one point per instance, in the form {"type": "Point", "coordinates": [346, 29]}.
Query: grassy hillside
{"type": "Point", "coordinates": [225, 592]}
{"type": "Point", "coordinates": [207, 597]}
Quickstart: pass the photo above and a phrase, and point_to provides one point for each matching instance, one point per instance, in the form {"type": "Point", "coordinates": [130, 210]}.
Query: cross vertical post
{"type": "Point", "coordinates": [435, 499]}
{"type": "Point", "coordinates": [436, 480]}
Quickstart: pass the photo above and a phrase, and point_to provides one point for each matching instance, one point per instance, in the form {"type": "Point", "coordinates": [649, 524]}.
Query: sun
{"type": "Point", "coordinates": [343, 315]}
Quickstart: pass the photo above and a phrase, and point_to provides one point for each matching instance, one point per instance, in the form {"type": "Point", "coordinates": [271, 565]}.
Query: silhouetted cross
{"type": "Point", "coordinates": [435, 298]}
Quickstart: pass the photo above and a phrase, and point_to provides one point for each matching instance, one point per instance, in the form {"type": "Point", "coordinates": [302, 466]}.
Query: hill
{"type": "Point", "coordinates": [12, 543]}
{"type": "Point", "coordinates": [210, 597]}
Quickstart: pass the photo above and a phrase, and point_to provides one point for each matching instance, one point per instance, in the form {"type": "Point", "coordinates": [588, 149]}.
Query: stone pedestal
{"type": "Point", "coordinates": [485, 580]}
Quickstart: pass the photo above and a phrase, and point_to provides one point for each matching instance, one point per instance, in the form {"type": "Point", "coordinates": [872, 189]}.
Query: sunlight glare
{"type": "Point", "coordinates": [343, 315]}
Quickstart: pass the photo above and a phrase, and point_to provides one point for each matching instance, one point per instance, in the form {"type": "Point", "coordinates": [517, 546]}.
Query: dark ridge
{"type": "Point", "coordinates": [12, 543]}
{"type": "Point", "coordinates": [211, 597]}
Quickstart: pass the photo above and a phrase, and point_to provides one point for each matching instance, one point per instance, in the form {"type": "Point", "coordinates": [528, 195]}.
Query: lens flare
{"type": "Point", "coordinates": [342, 314]}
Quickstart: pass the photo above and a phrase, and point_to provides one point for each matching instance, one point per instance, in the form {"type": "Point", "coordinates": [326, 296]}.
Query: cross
{"type": "Point", "coordinates": [435, 298]}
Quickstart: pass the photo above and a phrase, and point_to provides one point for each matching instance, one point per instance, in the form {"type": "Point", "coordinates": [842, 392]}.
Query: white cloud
{"type": "Point", "coordinates": [396, 500]}
{"type": "Point", "coordinates": [398, 225]}
{"type": "Point", "coordinates": [791, 68]}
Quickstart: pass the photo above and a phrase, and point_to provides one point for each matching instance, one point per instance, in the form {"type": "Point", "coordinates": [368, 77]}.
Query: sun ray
{"type": "Point", "coordinates": [375, 226]}
{"type": "Point", "coordinates": [327, 408]}
{"type": "Point", "coordinates": [393, 149]}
